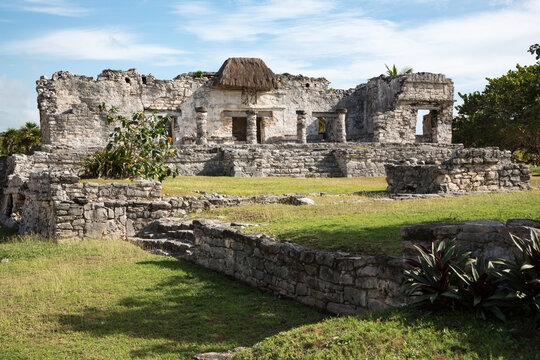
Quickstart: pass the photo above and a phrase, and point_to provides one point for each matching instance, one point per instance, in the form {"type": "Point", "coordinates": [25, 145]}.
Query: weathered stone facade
{"type": "Point", "coordinates": [488, 169]}
{"type": "Point", "coordinates": [383, 110]}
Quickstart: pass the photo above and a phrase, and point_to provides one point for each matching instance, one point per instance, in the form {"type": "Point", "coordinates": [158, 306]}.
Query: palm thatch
{"type": "Point", "coordinates": [246, 73]}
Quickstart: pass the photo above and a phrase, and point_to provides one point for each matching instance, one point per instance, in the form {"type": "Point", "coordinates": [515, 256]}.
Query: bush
{"type": "Point", "coordinates": [432, 280]}
{"type": "Point", "coordinates": [137, 148]}
{"type": "Point", "coordinates": [446, 277]}
{"type": "Point", "coordinates": [522, 275]}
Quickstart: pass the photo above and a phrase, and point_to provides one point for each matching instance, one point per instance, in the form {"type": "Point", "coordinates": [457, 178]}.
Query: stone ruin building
{"type": "Point", "coordinates": [244, 120]}
{"type": "Point", "coordinates": [246, 103]}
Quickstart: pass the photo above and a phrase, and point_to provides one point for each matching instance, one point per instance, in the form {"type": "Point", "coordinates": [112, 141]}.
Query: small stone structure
{"type": "Point", "coordinates": [487, 238]}
{"type": "Point", "coordinates": [488, 169]}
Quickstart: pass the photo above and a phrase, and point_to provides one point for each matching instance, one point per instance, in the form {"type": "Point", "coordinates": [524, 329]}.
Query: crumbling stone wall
{"type": "Point", "coordinates": [57, 205]}
{"type": "Point", "coordinates": [488, 169]}
{"type": "Point", "coordinates": [69, 104]}
{"type": "Point", "coordinates": [391, 104]}
{"type": "Point", "coordinates": [487, 238]}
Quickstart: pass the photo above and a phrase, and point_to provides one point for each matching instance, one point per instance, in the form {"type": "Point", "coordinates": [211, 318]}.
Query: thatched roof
{"type": "Point", "coordinates": [248, 73]}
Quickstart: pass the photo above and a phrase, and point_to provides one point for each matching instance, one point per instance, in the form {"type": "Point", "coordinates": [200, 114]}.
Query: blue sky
{"type": "Point", "coordinates": [347, 42]}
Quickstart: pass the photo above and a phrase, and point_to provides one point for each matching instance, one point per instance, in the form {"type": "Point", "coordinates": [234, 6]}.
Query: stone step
{"type": "Point", "coordinates": [168, 246]}
{"type": "Point", "coordinates": [181, 234]}
{"type": "Point", "coordinates": [165, 225]}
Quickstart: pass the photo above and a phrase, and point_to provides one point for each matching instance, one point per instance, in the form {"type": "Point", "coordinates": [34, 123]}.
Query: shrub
{"type": "Point", "coordinates": [432, 280]}
{"type": "Point", "coordinates": [480, 290]}
{"type": "Point", "coordinates": [137, 148]}
{"type": "Point", "coordinates": [445, 277]}
{"type": "Point", "coordinates": [522, 275]}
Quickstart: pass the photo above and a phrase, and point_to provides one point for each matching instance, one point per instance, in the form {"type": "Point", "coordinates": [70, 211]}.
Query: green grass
{"type": "Point", "coordinates": [403, 334]}
{"type": "Point", "coordinates": [185, 185]}
{"type": "Point", "coordinates": [368, 226]}
{"type": "Point", "coordinates": [111, 300]}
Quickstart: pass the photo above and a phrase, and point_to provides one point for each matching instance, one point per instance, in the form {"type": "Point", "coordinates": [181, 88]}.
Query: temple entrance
{"type": "Point", "coordinates": [239, 128]}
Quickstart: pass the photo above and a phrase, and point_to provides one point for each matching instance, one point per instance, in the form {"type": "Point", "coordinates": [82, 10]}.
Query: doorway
{"type": "Point", "coordinates": [239, 128]}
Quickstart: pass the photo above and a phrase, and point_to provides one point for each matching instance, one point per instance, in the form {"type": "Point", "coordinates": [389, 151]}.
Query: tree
{"type": "Point", "coordinates": [137, 148]}
{"type": "Point", "coordinates": [21, 141]}
{"type": "Point", "coordinates": [394, 71]}
{"type": "Point", "coordinates": [506, 114]}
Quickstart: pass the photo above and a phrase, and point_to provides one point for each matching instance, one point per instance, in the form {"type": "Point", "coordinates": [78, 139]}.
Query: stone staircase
{"type": "Point", "coordinates": [167, 236]}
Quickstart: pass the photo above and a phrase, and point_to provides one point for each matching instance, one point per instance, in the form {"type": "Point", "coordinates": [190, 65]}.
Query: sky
{"type": "Point", "coordinates": [347, 42]}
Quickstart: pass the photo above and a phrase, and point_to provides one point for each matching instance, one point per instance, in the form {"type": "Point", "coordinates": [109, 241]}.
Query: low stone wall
{"type": "Point", "coordinates": [304, 160]}
{"type": "Point", "coordinates": [487, 169]}
{"type": "Point", "coordinates": [487, 238]}
{"type": "Point", "coordinates": [331, 281]}
{"type": "Point", "coordinates": [57, 205]}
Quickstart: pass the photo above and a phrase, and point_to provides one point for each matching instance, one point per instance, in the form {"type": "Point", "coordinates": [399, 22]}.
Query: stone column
{"type": "Point", "coordinates": [341, 133]}
{"type": "Point", "coordinates": [301, 126]}
{"type": "Point", "coordinates": [251, 131]}
{"type": "Point", "coordinates": [202, 131]}
{"type": "Point", "coordinates": [265, 121]}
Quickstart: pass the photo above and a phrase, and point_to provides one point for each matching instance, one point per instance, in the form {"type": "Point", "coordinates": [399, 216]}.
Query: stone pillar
{"type": "Point", "coordinates": [251, 131]}
{"type": "Point", "coordinates": [301, 126]}
{"type": "Point", "coordinates": [201, 120]}
{"type": "Point", "coordinates": [265, 121]}
{"type": "Point", "coordinates": [341, 132]}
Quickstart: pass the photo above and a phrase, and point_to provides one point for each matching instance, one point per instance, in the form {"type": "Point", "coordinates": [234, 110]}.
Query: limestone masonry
{"type": "Point", "coordinates": [206, 109]}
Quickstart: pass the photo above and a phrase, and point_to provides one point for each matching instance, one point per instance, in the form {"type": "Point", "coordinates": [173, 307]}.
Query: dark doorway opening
{"type": "Point", "coordinates": [239, 128]}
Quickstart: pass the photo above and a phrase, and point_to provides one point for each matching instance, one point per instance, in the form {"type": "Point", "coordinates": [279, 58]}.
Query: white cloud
{"type": "Point", "coordinates": [353, 47]}
{"type": "Point", "coordinates": [17, 103]}
{"type": "Point", "coordinates": [85, 44]}
{"type": "Point", "coordinates": [51, 7]}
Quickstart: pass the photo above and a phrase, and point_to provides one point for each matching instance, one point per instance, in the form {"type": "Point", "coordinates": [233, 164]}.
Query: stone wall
{"type": "Point", "coordinates": [305, 160]}
{"type": "Point", "coordinates": [69, 104]}
{"type": "Point", "coordinates": [57, 205]}
{"type": "Point", "coordinates": [487, 169]}
{"type": "Point", "coordinates": [487, 238]}
{"type": "Point", "coordinates": [335, 282]}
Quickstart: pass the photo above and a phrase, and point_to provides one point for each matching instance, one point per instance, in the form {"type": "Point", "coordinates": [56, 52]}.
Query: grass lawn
{"type": "Point", "coordinates": [403, 334]}
{"type": "Point", "coordinates": [369, 226]}
{"type": "Point", "coordinates": [185, 185]}
{"type": "Point", "coordinates": [111, 300]}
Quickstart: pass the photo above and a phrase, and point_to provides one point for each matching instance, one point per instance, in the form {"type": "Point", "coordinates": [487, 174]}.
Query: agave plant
{"type": "Point", "coordinates": [523, 274]}
{"type": "Point", "coordinates": [480, 290]}
{"type": "Point", "coordinates": [432, 280]}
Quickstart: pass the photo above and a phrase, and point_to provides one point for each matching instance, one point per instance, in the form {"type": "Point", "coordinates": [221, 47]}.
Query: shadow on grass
{"type": "Point", "coordinates": [352, 238]}
{"type": "Point", "coordinates": [193, 311]}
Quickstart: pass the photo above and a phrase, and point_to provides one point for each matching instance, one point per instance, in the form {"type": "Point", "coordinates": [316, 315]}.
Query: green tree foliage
{"type": "Point", "coordinates": [394, 71]}
{"type": "Point", "coordinates": [137, 148]}
{"type": "Point", "coordinates": [506, 114]}
{"type": "Point", "coordinates": [20, 141]}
